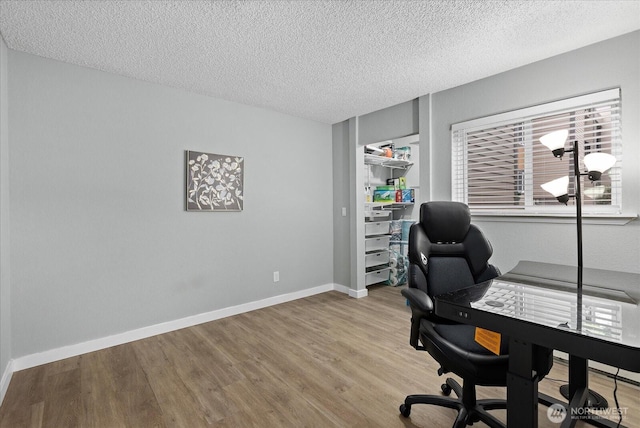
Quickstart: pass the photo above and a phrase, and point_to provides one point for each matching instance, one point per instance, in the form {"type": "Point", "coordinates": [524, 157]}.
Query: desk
{"type": "Point", "coordinates": [538, 305]}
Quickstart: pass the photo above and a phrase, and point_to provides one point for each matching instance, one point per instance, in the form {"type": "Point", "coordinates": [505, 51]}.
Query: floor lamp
{"type": "Point", "coordinates": [597, 164]}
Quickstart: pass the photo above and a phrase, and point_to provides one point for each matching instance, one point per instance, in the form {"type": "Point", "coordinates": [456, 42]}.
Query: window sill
{"type": "Point", "coordinates": [562, 218]}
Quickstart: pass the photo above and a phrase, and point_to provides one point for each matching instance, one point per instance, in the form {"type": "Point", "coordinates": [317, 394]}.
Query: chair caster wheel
{"type": "Point", "coordinates": [405, 410]}
{"type": "Point", "coordinates": [446, 389]}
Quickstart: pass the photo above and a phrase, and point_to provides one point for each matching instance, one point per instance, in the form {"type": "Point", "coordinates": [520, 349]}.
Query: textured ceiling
{"type": "Point", "coordinates": [322, 60]}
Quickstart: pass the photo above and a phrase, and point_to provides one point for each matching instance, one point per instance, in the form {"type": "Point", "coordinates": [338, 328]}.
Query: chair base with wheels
{"type": "Point", "coordinates": [469, 409]}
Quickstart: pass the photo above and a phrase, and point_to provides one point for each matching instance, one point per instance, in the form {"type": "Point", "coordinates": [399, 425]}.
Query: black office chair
{"type": "Point", "coordinates": [446, 253]}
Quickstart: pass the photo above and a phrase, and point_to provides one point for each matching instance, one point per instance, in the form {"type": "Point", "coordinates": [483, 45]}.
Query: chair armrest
{"type": "Point", "coordinates": [419, 300]}
{"type": "Point", "coordinates": [421, 306]}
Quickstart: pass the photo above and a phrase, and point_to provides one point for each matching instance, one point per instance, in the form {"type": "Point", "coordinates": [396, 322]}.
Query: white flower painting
{"type": "Point", "coordinates": [214, 182]}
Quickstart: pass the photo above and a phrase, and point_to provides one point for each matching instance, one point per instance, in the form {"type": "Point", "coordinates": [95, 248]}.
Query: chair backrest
{"type": "Point", "coordinates": [447, 252]}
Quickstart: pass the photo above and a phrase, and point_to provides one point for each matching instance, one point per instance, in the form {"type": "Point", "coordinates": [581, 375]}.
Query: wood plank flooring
{"type": "Point", "coordinates": [324, 361]}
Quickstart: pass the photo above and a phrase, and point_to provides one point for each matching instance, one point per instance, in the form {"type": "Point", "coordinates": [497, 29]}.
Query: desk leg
{"type": "Point", "coordinates": [578, 376]}
{"type": "Point", "coordinates": [579, 394]}
{"type": "Point", "coordinates": [578, 388]}
{"type": "Point", "coordinates": [522, 386]}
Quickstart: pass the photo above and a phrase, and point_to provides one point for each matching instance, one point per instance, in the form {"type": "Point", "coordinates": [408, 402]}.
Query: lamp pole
{"type": "Point", "coordinates": [578, 198]}
{"type": "Point", "coordinates": [578, 366]}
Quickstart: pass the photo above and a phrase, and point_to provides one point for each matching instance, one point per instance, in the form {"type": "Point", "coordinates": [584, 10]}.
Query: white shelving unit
{"type": "Point", "coordinates": [376, 246]}
{"type": "Point", "coordinates": [378, 215]}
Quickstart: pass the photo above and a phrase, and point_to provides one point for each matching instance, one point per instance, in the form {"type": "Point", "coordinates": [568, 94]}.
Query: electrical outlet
{"type": "Point", "coordinates": [276, 276]}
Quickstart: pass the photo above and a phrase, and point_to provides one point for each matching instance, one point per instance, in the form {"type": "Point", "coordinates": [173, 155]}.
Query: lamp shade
{"type": "Point", "coordinates": [555, 140]}
{"type": "Point", "coordinates": [557, 187]}
{"type": "Point", "coordinates": [599, 162]}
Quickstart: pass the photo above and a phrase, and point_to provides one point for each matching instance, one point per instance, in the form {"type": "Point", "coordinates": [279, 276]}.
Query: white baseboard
{"type": "Point", "coordinates": [5, 380]}
{"type": "Point", "coordinates": [45, 357]}
{"type": "Point", "coordinates": [358, 294]}
{"type": "Point", "coordinates": [341, 288]}
{"type": "Point", "coordinates": [351, 292]}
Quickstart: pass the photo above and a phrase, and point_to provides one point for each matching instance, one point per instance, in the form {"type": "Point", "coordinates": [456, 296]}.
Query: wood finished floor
{"type": "Point", "coordinates": [324, 361]}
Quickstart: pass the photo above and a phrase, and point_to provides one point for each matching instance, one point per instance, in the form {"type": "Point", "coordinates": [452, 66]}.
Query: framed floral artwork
{"type": "Point", "coordinates": [214, 182]}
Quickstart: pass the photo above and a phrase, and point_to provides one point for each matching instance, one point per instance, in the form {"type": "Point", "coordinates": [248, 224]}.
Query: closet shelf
{"type": "Point", "coordinates": [387, 162]}
{"type": "Point", "coordinates": [373, 206]}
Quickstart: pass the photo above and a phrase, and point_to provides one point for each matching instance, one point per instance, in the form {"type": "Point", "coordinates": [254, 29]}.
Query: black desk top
{"type": "Point", "coordinates": [540, 301]}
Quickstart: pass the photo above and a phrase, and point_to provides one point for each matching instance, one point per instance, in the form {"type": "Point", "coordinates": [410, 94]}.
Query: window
{"type": "Point", "coordinates": [498, 162]}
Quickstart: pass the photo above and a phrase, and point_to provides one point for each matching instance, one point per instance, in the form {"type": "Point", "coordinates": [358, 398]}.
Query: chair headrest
{"type": "Point", "coordinates": [445, 221]}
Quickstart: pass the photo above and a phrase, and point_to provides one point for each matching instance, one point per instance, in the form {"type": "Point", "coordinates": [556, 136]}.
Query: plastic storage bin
{"type": "Point", "coordinates": [376, 276]}
{"type": "Point", "coordinates": [376, 259]}
{"type": "Point", "coordinates": [377, 243]}
{"type": "Point", "coordinates": [376, 228]}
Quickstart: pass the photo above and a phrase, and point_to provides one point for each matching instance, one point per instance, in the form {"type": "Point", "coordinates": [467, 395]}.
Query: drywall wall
{"type": "Point", "coordinates": [608, 64]}
{"type": "Point", "coordinates": [5, 289]}
{"type": "Point", "coordinates": [392, 122]}
{"type": "Point", "coordinates": [424, 161]}
{"type": "Point", "coordinates": [101, 242]}
{"type": "Point", "coordinates": [341, 199]}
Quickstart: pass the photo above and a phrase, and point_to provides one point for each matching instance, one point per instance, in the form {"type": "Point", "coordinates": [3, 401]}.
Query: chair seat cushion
{"type": "Point", "coordinates": [463, 335]}
{"type": "Point", "coordinates": [454, 347]}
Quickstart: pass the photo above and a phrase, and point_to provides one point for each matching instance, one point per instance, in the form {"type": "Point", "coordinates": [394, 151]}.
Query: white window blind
{"type": "Point", "coordinates": [498, 162]}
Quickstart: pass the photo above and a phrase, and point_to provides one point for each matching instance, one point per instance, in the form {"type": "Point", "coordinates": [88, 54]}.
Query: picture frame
{"type": "Point", "coordinates": [215, 182]}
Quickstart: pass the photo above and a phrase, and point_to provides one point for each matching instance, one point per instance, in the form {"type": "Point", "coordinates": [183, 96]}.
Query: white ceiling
{"type": "Point", "coordinates": [322, 60]}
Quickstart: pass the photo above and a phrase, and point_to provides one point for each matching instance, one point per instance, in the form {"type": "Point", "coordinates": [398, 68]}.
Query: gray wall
{"type": "Point", "coordinates": [392, 122]}
{"type": "Point", "coordinates": [604, 65]}
{"type": "Point", "coordinates": [101, 243]}
{"type": "Point", "coordinates": [5, 286]}
{"type": "Point", "coordinates": [608, 64]}
{"type": "Point", "coordinates": [341, 198]}
{"type": "Point", "coordinates": [424, 161]}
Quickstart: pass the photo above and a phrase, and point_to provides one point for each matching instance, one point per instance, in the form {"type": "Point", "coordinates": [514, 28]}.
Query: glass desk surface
{"type": "Point", "coordinates": [546, 294]}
